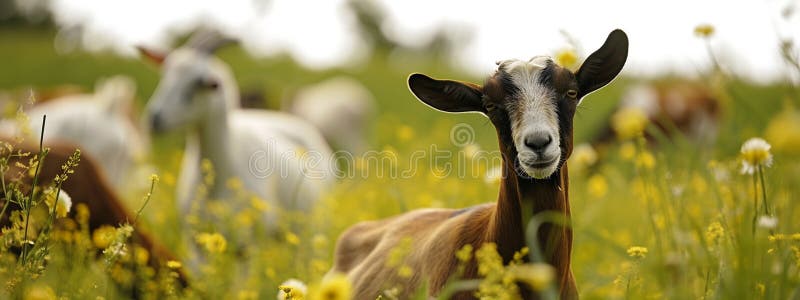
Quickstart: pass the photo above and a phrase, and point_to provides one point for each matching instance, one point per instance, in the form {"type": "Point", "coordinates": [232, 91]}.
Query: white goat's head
{"type": "Point", "coordinates": [194, 85]}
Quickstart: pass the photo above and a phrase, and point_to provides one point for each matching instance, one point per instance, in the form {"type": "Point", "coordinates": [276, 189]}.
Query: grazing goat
{"type": "Point", "coordinates": [87, 185]}
{"type": "Point", "coordinates": [531, 105]}
{"type": "Point", "coordinates": [340, 108]}
{"type": "Point", "coordinates": [673, 107]}
{"type": "Point", "coordinates": [100, 124]}
{"type": "Point", "coordinates": [278, 157]}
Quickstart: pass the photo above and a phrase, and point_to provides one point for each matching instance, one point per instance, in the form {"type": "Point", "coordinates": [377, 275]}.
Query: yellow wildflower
{"type": "Point", "coordinates": [704, 30]}
{"type": "Point", "coordinates": [784, 130]}
{"type": "Point", "coordinates": [755, 153]}
{"type": "Point", "coordinates": [337, 287]}
{"type": "Point", "coordinates": [538, 275]}
{"type": "Point", "coordinates": [142, 255]}
{"type": "Point", "coordinates": [465, 253]}
{"type": "Point", "coordinates": [292, 238]}
{"type": "Point", "coordinates": [174, 264]}
{"type": "Point", "coordinates": [760, 288]}
{"type": "Point", "coordinates": [629, 123]}
{"type": "Point", "coordinates": [319, 242]}
{"type": "Point", "coordinates": [645, 160]}
{"type": "Point", "coordinates": [250, 295]}
{"type": "Point", "coordinates": [796, 252]}
{"type": "Point", "coordinates": [627, 151]}
{"type": "Point", "coordinates": [405, 271]}
{"type": "Point", "coordinates": [39, 292]}
{"type": "Point", "coordinates": [213, 242]}
{"type": "Point", "coordinates": [597, 186]}
{"type": "Point", "coordinates": [714, 232]}
{"type": "Point", "coordinates": [637, 252]}
{"type": "Point", "coordinates": [103, 236]}
{"type": "Point", "coordinates": [405, 133]}
{"type": "Point", "coordinates": [567, 58]}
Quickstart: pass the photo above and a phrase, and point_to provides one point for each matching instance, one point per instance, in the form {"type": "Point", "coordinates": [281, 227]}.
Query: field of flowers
{"type": "Point", "coordinates": [674, 219]}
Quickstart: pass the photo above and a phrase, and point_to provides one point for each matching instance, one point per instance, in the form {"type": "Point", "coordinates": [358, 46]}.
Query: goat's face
{"type": "Point", "coordinates": [189, 91]}
{"type": "Point", "coordinates": [531, 103]}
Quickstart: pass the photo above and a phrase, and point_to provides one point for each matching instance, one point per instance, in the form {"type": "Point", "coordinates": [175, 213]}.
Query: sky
{"type": "Point", "coordinates": [323, 33]}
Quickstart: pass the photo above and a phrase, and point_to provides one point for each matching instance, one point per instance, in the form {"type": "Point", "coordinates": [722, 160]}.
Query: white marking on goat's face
{"type": "Point", "coordinates": [190, 90]}
{"type": "Point", "coordinates": [533, 116]}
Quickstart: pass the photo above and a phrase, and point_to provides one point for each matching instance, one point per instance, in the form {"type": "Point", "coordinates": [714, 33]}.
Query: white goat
{"type": "Point", "coordinates": [340, 108]}
{"type": "Point", "coordinates": [99, 124]}
{"type": "Point", "coordinates": [277, 156]}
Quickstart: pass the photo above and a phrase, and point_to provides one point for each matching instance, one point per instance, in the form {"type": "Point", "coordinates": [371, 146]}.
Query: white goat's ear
{"type": "Point", "coordinates": [152, 55]}
{"type": "Point", "coordinates": [446, 95]}
{"type": "Point", "coordinates": [602, 66]}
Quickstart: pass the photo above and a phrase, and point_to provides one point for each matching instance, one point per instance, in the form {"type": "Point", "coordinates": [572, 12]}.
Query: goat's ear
{"type": "Point", "coordinates": [604, 64]}
{"type": "Point", "coordinates": [446, 95]}
{"type": "Point", "coordinates": [152, 55]}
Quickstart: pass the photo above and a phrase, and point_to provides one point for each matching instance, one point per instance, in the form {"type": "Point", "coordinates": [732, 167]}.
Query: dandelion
{"type": "Point", "coordinates": [637, 252]}
{"type": "Point", "coordinates": [767, 222]}
{"type": "Point", "coordinates": [174, 264]}
{"type": "Point", "coordinates": [292, 289]}
{"type": "Point", "coordinates": [755, 154]}
{"type": "Point", "coordinates": [538, 275]}
{"type": "Point", "coordinates": [471, 151]}
{"type": "Point", "coordinates": [567, 58]}
{"type": "Point", "coordinates": [64, 201]}
{"type": "Point", "coordinates": [629, 123]}
{"type": "Point", "coordinates": [704, 30]}
{"type": "Point", "coordinates": [337, 287]}
{"type": "Point", "coordinates": [493, 176]}
{"type": "Point", "coordinates": [213, 242]}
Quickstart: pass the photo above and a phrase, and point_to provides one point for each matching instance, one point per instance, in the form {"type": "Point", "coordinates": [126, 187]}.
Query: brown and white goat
{"type": "Point", "coordinates": [531, 104]}
{"type": "Point", "coordinates": [89, 186]}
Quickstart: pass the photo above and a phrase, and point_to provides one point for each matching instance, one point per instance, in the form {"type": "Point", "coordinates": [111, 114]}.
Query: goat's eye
{"type": "Point", "coordinates": [210, 84]}
{"type": "Point", "coordinates": [490, 106]}
{"type": "Point", "coordinates": [572, 93]}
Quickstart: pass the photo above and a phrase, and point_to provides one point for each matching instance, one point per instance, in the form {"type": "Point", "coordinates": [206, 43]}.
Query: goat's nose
{"type": "Point", "coordinates": [537, 142]}
{"type": "Point", "coordinates": [155, 122]}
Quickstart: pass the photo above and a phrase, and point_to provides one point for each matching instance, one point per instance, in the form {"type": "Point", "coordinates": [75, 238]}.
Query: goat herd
{"type": "Point", "coordinates": [281, 157]}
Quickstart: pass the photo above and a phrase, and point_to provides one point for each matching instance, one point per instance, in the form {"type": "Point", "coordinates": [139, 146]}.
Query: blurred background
{"type": "Point", "coordinates": [707, 75]}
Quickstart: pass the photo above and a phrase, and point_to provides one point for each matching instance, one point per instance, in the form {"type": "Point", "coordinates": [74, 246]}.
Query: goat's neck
{"type": "Point", "coordinates": [521, 199]}
{"type": "Point", "coordinates": [213, 138]}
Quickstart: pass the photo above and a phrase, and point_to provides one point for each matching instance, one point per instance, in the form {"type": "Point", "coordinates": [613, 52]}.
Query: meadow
{"type": "Point", "coordinates": [676, 220]}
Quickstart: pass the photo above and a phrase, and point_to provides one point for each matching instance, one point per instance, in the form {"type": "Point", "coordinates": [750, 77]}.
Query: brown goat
{"type": "Point", "coordinates": [88, 185]}
{"type": "Point", "coordinates": [674, 107]}
{"type": "Point", "coordinates": [531, 104]}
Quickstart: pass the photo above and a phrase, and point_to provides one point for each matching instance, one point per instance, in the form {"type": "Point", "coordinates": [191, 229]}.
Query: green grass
{"type": "Point", "coordinates": [667, 209]}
